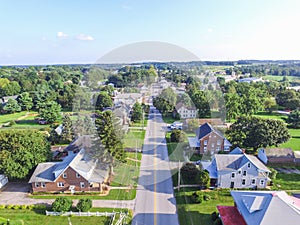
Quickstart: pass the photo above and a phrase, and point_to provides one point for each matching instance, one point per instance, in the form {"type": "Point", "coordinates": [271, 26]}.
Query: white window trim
{"type": "Point", "coordinates": [64, 175]}
{"type": "Point", "coordinates": [77, 175]}
{"type": "Point", "coordinates": [244, 180]}
{"type": "Point", "coordinates": [82, 185]}
{"type": "Point", "coordinates": [43, 184]}
{"type": "Point", "coordinates": [36, 184]}
{"type": "Point", "coordinates": [60, 184]}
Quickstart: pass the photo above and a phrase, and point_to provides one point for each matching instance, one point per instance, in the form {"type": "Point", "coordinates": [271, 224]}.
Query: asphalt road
{"type": "Point", "coordinates": [155, 203]}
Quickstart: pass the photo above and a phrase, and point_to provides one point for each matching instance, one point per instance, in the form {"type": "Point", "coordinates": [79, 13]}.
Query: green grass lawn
{"type": "Point", "coordinates": [126, 174]}
{"type": "Point", "coordinates": [36, 217]}
{"type": "Point", "coordinates": [190, 213]}
{"type": "Point", "coordinates": [294, 142]}
{"type": "Point", "coordinates": [9, 117]}
{"type": "Point", "coordinates": [285, 181]}
{"type": "Point", "coordinates": [114, 194]}
{"type": "Point", "coordinates": [134, 138]}
{"type": "Point", "coordinates": [273, 115]}
{"type": "Point", "coordinates": [140, 124]}
{"type": "Point", "coordinates": [175, 150]}
{"type": "Point", "coordinates": [279, 78]}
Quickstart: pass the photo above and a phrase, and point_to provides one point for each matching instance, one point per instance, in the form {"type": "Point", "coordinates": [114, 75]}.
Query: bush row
{"type": "Point", "coordinates": [22, 207]}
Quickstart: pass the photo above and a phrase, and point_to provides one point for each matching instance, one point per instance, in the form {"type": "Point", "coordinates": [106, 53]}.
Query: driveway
{"type": "Point", "coordinates": [15, 193]}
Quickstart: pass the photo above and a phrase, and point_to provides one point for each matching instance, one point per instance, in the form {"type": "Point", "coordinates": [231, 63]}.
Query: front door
{"type": "Point", "coordinates": [232, 184]}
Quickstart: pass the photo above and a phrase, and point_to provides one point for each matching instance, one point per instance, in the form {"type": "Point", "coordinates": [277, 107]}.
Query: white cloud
{"type": "Point", "coordinates": [210, 30]}
{"type": "Point", "coordinates": [84, 37]}
{"type": "Point", "coordinates": [61, 35]}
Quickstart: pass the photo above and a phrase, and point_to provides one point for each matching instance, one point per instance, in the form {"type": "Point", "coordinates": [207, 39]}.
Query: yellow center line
{"type": "Point", "coordinates": [155, 203]}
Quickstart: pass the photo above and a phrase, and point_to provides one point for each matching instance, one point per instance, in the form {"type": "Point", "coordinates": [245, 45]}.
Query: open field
{"type": "Point", "coordinates": [190, 213]}
{"type": "Point", "coordinates": [294, 142]}
{"type": "Point", "coordinates": [279, 78]}
{"type": "Point", "coordinates": [273, 115]}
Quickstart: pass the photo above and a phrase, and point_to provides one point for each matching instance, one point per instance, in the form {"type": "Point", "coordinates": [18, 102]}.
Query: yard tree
{"type": "Point", "coordinates": [204, 178]}
{"type": "Point", "coordinates": [170, 96]}
{"type": "Point", "coordinates": [233, 104]}
{"type": "Point", "coordinates": [137, 112]}
{"type": "Point", "coordinates": [103, 101]}
{"type": "Point", "coordinates": [294, 119]}
{"type": "Point", "coordinates": [177, 136]}
{"type": "Point", "coordinates": [163, 105]}
{"type": "Point", "coordinates": [12, 106]}
{"type": "Point", "coordinates": [62, 204]}
{"type": "Point", "coordinates": [13, 88]}
{"type": "Point", "coordinates": [201, 103]}
{"type": "Point", "coordinates": [21, 151]}
{"type": "Point", "coordinates": [84, 204]}
{"type": "Point", "coordinates": [256, 132]}
{"type": "Point", "coordinates": [50, 112]}
{"type": "Point", "coordinates": [110, 135]}
{"type": "Point", "coordinates": [67, 134]}
{"type": "Point", "coordinates": [25, 101]}
{"type": "Point", "coordinates": [190, 173]}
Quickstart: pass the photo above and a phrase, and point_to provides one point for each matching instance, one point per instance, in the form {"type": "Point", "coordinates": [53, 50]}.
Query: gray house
{"type": "Point", "coordinates": [261, 207]}
{"type": "Point", "coordinates": [238, 171]}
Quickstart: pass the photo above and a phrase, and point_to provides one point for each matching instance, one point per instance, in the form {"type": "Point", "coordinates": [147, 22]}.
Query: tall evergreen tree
{"type": "Point", "coordinates": [67, 134]}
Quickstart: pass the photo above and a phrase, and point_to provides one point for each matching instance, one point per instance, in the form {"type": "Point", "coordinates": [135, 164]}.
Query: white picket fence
{"type": "Point", "coordinates": [107, 214]}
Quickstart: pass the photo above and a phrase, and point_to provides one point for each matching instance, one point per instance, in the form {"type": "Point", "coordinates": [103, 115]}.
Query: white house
{"type": "Point", "coordinates": [186, 112]}
{"type": "Point", "coordinates": [3, 180]}
{"type": "Point", "coordinates": [238, 171]}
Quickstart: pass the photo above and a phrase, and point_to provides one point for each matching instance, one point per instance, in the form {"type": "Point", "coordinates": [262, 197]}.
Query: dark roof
{"type": "Point", "coordinates": [230, 215]}
{"type": "Point", "coordinates": [206, 129]}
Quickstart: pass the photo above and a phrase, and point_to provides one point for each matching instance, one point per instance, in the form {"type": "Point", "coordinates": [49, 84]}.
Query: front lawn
{"type": "Point", "coordinates": [286, 181]}
{"type": "Point", "coordinates": [200, 213]}
{"type": "Point", "coordinates": [175, 150]}
{"type": "Point", "coordinates": [273, 115]}
{"type": "Point", "coordinates": [134, 138]}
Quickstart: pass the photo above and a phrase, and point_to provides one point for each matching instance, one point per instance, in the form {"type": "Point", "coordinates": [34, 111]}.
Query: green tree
{"type": "Point", "coordinates": [103, 101]}
{"type": "Point", "coordinates": [12, 88]}
{"type": "Point", "coordinates": [177, 136]}
{"type": "Point", "coordinates": [50, 112]}
{"type": "Point", "coordinates": [84, 204]}
{"type": "Point", "coordinates": [21, 151]}
{"type": "Point", "coordinates": [67, 134]}
{"type": "Point", "coordinates": [294, 119]}
{"type": "Point", "coordinates": [110, 135]}
{"type": "Point", "coordinates": [12, 106]}
{"type": "Point", "coordinates": [62, 204]}
{"type": "Point", "coordinates": [204, 179]}
{"type": "Point", "coordinates": [25, 101]}
{"type": "Point", "coordinates": [137, 112]}
{"type": "Point", "coordinates": [190, 173]}
{"type": "Point", "coordinates": [201, 103]}
{"type": "Point", "coordinates": [256, 132]}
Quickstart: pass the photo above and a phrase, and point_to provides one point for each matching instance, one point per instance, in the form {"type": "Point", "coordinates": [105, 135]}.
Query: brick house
{"type": "Point", "coordinates": [208, 139]}
{"type": "Point", "coordinates": [77, 172]}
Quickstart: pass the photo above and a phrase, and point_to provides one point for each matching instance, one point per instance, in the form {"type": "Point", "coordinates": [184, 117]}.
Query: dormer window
{"type": "Point", "coordinates": [77, 175]}
{"type": "Point", "coordinates": [249, 165]}
{"type": "Point", "coordinates": [64, 175]}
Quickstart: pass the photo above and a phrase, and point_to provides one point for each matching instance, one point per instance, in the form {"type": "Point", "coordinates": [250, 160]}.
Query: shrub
{"type": "Point", "coordinates": [23, 207]}
{"type": "Point", "coordinates": [62, 204]}
{"type": "Point", "coordinates": [2, 206]}
{"type": "Point", "coordinates": [30, 207]}
{"type": "Point", "coordinates": [196, 197]}
{"type": "Point", "coordinates": [177, 136]}
{"type": "Point", "coordinates": [273, 174]}
{"type": "Point", "coordinates": [206, 197]}
{"type": "Point", "coordinates": [84, 204]}
{"type": "Point", "coordinates": [11, 123]}
{"type": "Point", "coordinates": [190, 173]}
{"type": "Point", "coordinates": [214, 216]}
{"type": "Point", "coordinates": [9, 206]}
{"type": "Point", "coordinates": [204, 179]}
{"type": "Point", "coordinates": [16, 207]}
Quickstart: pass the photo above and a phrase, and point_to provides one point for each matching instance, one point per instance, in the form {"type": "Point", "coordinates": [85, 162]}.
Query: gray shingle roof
{"type": "Point", "coordinates": [267, 207]}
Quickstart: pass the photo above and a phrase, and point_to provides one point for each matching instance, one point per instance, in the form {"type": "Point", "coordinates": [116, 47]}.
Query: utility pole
{"type": "Point", "coordinates": [179, 175]}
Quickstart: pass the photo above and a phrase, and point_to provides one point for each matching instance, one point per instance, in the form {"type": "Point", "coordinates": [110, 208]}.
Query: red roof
{"type": "Point", "coordinates": [230, 215]}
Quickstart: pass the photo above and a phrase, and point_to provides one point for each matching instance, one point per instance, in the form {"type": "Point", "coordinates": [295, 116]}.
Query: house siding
{"type": "Point", "coordinates": [212, 141]}
{"type": "Point", "coordinates": [225, 179]}
{"type": "Point", "coordinates": [71, 179]}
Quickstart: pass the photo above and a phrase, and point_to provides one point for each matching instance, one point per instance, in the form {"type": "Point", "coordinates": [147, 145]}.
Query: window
{"type": "Point", "coordinates": [239, 172]}
{"type": "Point", "coordinates": [204, 149]}
{"type": "Point", "coordinates": [232, 175]}
{"type": "Point", "coordinates": [60, 184]}
{"type": "Point", "coordinates": [262, 182]}
{"type": "Point", "coordinates": [77, 175]}
{"type": "Point", "coordinates": [205, 142]}
{"type": "Point", "coordinates": [243, 181]}
{"type": "Point", "coordinates": [244, 173]}
{"type": "Point", "coordinates": [253, 181]}
{"type": "Point", "coordinates": [218, 148]}
{"type": "Point", "coordinates": [218, 142]}
{"type": "Point", "coordinates": [64, 175]}
{"type": "Point", "coordinates": [37, 184]}
{"type": "Point", "coordinates": [249, 165]}
{"type": "Point", "coordinates": [212, 145]}
{"type": "Point", "coordinates": [43, 185]}
{"type": "Point", "coordinates": [81, 184]}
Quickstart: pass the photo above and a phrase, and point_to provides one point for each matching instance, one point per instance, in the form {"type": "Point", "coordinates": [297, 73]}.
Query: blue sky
{"type": "Point", "coordinates": [78, 31]}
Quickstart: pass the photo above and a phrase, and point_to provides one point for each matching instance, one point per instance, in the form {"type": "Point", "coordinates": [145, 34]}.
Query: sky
{"type": "Point", "coordinates": [82, 31]}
